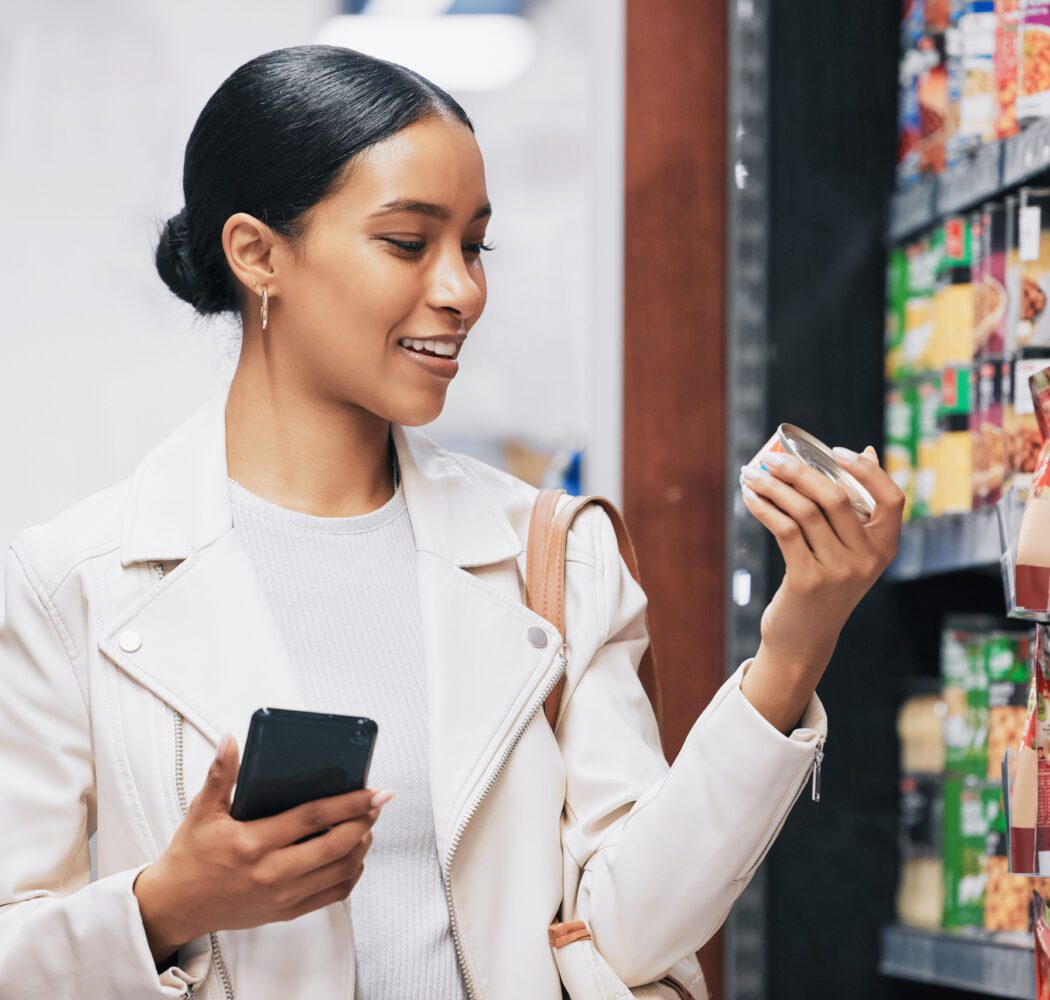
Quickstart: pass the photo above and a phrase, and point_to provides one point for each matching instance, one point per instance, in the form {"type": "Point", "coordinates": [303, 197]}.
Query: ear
{"type": "Point", "coordinates": [249, 245]}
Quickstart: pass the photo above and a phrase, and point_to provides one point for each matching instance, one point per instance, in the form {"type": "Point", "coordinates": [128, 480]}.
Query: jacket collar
{"type": "Point", "coordinates": [451, 512]}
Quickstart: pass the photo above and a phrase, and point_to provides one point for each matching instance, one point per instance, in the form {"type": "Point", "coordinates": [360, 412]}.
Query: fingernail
{"type": "Point", "coordinates": [224, 744]}
{"type": "Point", "coordinates": [749, 494]}
{"type": "Point", "coordinates": [381, 798]}
{"type": "Point", "coordinates": [779, 459]}
{"type": "Point", "coordinates": [871, 453]}
{"type": "Point", "coordinates": [750, 475]}
{"type": "Point", "coordinates": [845, 454]}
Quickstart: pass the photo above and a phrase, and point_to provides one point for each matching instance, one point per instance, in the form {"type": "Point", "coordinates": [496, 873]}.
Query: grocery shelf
{"type": "Point", "coordinates": [912, 208]}
{"type": "Point", "coordinates": [946, 544]}
{"type": "Point", "coordinates": [1026, 154]}
{"type": "Point", "coordinates": [997, 965]}
{"type": "Point", "coordinates": [971, 181]}
{"type": "Point", "coordinates": [993, 169]}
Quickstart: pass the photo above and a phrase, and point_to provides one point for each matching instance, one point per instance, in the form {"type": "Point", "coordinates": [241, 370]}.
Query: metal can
{"type": "Point", "coordinates": [791, 440]}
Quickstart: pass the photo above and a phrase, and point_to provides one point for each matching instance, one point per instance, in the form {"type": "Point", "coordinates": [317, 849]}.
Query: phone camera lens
{"type": "Point", "coordinates": [359, 738]}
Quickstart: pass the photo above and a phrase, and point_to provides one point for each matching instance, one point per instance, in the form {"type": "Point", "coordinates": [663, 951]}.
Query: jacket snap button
{"type": "Point", "coordinates": [129, 641]}
{"type": "Point", "coordinates": [537, 637]}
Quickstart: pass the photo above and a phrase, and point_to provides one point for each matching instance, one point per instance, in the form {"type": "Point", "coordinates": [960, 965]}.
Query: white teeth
{"type": "Point", "coordinates": [445, 348]}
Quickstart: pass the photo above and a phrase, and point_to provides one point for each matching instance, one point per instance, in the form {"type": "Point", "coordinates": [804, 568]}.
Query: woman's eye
{"type": "Point", "coordinates": [417, 246]}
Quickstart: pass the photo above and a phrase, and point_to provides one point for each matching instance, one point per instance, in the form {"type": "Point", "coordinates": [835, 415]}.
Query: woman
{"type": "Point", "coordinates": [299, 543]}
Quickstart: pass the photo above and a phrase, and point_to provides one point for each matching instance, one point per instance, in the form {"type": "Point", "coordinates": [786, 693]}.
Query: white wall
{"type": "Point", "coordinates": [98, 360]}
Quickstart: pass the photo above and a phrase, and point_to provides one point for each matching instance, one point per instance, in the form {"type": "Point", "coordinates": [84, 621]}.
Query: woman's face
{"type": "Point", "coordinates": [393, 254]}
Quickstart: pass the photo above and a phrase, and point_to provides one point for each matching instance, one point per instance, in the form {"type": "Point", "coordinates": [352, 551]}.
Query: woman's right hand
{"type": "Point", "coordinates": [222, 874]}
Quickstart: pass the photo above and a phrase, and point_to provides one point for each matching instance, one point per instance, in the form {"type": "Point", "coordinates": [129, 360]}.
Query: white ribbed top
{"type": "Point", "coordinates": [345, 597]}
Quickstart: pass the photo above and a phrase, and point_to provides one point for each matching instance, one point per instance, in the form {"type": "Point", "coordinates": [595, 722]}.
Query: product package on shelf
{"type": "Point", "coordinates": [989, 336]}
{"type": "Point", "coordinates": [991, 453]}
{"type": "Point", "coordinates": [966, 825]}
{"type": "Point", "coordinates": [928, 403]}
{"type": "Point", "coordinates": [1033, 325]}
{"type": "Point", "coordinates": [977, 112]}
{"type": "Point", "coordinates": [1033, 100]}
{"type": "Point", "coordinates": [955, 252]}
{"type": "Point", "coordinates": [1026, 774]}
{"type": "Point", "coordinates": [1011, 275]}
{"type": "Point", "coordinates": [901, 446]}
{"type": "Point", "coordinates": [920, 887]}
{"type": "Point", "coordinates": [953, 487]}
{"type": "Point", "coordinates": [1025, 438]}
{"type": "Point", "coordinates": [1006, 896]}
{"type": "Point", "coordinates": [896, 306]}
{"type": "Point", "coordinates": [1024, 523]}
{"type": "Point", "coordinates": [1007, 22]}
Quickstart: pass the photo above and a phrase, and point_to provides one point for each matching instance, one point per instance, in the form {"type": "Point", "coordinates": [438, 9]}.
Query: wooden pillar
{"type": "Point", "coordinates": [674, 347]}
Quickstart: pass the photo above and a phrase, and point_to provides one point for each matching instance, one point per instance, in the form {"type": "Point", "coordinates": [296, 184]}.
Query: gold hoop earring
{"type": "Point", "coordinates": [265, 309]}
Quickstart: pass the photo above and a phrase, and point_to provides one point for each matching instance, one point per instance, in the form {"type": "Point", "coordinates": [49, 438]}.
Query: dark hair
{"type": "Point", "coordinates": [273, 140]}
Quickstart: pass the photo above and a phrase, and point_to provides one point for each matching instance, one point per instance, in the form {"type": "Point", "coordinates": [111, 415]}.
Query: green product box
{"type": "Point", "coordinates": [953, 244]}
{"type": "Point", "coordinates": [955, 391]}
{"type": "Point", "coordinates": [902, 439]}
{"type": "Point", "coordinates": [967, 822]}
{"type": "Point", "coordinates": [896, 311]}
{"type": "Point", "coordinates": [975, 761]}
{"type": "Point", "coordinates": [964, 681]}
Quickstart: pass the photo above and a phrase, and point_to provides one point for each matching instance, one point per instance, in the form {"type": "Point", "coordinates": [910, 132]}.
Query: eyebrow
{"type": "Point", "coordinates": [426, 208]}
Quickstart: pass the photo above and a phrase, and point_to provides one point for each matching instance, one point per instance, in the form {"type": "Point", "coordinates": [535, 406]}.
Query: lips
{"type": "Point", "coordinates": [444, 368]}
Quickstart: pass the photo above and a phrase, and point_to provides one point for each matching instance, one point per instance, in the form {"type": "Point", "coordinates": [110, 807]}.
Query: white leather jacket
{"type": "Point", "coordinates": [133, 634]}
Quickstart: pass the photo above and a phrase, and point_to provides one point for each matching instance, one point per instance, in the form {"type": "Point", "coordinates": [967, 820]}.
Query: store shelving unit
{"type": "Point", "coordinates": [995, 965]}
{"type": "Point", "coordinates": [947, 544]}
{"type": "Point", "coordinates": [991, 170]}
{"type": "Point", "coordinates": [1001, 965]}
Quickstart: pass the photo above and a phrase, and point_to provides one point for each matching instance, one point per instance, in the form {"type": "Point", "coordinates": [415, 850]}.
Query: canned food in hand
{"type": "Point", "coordinates": [791, 440]}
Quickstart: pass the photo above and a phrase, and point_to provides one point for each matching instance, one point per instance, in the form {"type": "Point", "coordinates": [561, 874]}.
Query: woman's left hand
{"type": "Point", "coordinates": [831, 557]}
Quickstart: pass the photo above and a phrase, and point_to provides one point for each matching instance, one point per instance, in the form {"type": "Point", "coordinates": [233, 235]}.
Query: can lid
{"type": "Point", "coordinates": [819, 456]}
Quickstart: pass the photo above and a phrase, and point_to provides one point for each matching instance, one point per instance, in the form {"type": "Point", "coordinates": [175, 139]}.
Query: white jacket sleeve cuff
{"type": "Point", "coordinates": [90, 943]}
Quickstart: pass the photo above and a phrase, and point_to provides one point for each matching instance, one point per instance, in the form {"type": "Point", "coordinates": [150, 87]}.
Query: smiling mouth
{"type": "Point", "coordinates": [446, 349]}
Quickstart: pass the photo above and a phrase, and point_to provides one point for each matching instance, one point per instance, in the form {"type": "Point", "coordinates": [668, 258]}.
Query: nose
{"type": "Point", "coordinates": [456, 285]}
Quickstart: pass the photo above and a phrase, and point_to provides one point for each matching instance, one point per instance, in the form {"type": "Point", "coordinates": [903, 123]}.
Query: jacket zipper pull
{"type": "Point", "coordinates": [818, 759]}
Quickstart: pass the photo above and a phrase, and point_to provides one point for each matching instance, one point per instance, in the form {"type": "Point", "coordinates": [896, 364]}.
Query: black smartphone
{"type": "Point", "coordinates": [292, 757]}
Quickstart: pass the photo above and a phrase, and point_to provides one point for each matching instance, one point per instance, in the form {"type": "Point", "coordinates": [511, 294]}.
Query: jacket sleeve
{"type": "Point", "coordinates": [61, 935]}
{"type": "Point", "coordinates": [664, 850]}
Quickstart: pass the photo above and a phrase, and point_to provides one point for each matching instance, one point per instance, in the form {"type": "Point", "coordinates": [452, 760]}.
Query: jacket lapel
{"type": "Point", "coordinates": [209, 646]}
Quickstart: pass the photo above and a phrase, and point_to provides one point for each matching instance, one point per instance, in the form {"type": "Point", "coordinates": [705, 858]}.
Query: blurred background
{"type": "Point", "coordinates": [713, 216]}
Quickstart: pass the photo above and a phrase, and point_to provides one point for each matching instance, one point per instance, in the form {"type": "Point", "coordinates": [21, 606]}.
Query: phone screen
{"type": "Point", "coordinates": [292, 757]}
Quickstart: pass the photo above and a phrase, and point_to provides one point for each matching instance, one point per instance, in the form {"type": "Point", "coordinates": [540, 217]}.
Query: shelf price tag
{"type": "Point", "coordinates": [1029, 224]}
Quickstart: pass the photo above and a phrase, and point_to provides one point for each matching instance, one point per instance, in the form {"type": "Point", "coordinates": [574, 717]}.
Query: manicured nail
{"type": "Point", "coordinates": [845, 454]}
{"type": "Point", "coordinates": [871, 453]}
{"type": "Point", "coordinates": [224, 744]}
{"type": "Point", "coordinates": [381, 798]}
{"type": "Point", "coordinates": [749, 475]}
{"type": "Point", "coordinates": [779, 459]}
{"type": "Point", "coordinates": [749, 494]}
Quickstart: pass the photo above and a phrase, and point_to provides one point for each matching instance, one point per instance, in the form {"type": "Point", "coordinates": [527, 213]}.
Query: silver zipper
{"type": "Point", "coordinates": [812, 774]}
{"type": "Point", "coordinates": [818, 759]}
{"type": "Point", "coordinates": [180, 788]}
{"type": "Point", "coordinates": [537, 703]}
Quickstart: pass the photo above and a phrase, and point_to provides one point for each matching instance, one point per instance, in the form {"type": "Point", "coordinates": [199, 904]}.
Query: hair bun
{"type": "Point", "coordinates": [175, 261]}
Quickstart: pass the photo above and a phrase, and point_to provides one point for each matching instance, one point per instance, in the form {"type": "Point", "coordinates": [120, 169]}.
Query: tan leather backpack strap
{"type": "Point", "coordinates": [545, 577]}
